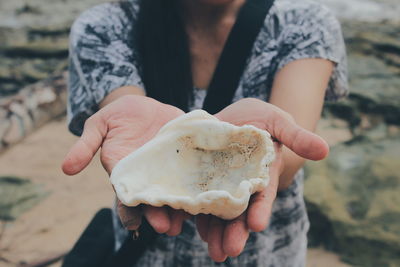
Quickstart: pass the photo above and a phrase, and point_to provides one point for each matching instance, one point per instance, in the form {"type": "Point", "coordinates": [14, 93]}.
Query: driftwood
{"type": "Point", "coordinates": [32, 107]}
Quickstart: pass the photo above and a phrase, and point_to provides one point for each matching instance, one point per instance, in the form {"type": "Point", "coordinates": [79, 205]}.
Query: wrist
{"type": "Point", "coordinates": [120, 92]}
{"type": "Point", "coordinates": [291, 163]}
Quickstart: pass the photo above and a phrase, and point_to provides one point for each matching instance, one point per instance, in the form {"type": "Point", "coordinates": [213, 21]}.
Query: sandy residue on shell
{"type": "Point", "coordinates": [242, 147]}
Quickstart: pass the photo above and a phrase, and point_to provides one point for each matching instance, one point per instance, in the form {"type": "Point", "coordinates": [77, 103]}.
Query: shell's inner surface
{"type": "Point", "coordinates": [224, 168]}
{"type": "Point", "coordinates": [199, 164]}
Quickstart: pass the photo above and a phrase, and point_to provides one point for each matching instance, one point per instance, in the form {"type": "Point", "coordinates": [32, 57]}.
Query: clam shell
{"type": "Point", "coordinates": [199, 164]}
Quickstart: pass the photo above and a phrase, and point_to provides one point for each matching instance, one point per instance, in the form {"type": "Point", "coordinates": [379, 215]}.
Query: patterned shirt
{"type": "Point", "coordinates": [102, 59]}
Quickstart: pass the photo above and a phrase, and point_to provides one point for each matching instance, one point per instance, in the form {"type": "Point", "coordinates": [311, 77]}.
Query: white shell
{"type": "Point", "coordinates": [199, 164]}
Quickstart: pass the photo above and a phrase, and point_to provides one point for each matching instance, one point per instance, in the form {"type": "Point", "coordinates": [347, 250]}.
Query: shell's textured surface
{"type": "Point", "coordinates": [199, 164]}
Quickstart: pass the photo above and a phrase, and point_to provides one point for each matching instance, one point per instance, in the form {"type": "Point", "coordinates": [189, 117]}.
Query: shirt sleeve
{"type": "Point", "coordinates": [312, 31]}
{"type": "Point", "coordinates": [100, 60]}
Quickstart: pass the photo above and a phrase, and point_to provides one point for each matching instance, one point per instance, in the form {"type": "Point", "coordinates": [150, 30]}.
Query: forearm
{"type": "Point", "coordinates": [122, 91]}
{"type": "Point", "coordinates": [299, 89]}
{"type": "Point", "coordinates": [292, 164]}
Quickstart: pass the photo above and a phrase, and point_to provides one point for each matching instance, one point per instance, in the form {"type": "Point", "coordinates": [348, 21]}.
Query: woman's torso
{"type": "Point", "coordinates": [102, 58]}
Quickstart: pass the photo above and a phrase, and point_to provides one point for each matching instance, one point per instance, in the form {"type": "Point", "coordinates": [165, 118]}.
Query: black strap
{"type": "Point", "coordinates": [235, 53]}
{"type": "Point", "coordinates": [95, 247]}
{"type": "Point", "coordinates": [96, 244]}
{"type": "Point", "coordinates": [132, 249]}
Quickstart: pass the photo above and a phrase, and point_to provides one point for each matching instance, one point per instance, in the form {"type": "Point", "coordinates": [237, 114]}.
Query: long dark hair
{"type": "Point", "coordinates": [162, 44]}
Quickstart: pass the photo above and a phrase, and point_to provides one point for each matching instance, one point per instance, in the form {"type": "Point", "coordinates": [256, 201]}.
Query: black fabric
{"type": "Point", "coordinates": [96, 244]}
{"type": "Point", "coordinates": [234, 55]}
{"type": "Point", "coordinates": [95, 247]}
{"type": "Point", "coordinates": [132, 249]}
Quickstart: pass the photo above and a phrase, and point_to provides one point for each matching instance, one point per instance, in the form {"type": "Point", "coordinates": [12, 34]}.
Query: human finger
{"type": "Point", "coordinates": [214, 239]}
{"type": "Point", "coordinates": [85, 148]}
{"type": "Point", "coordinates": [158, 218]}
{"type": "Point", "coordinates": [301, 141]}
{"type": "Point", "coordinates": [202, 224]}
{"type": "Point", "coordinates": [259, 211]}
{"type": "Point", "coordinates": [260, 206]}
{"type": "Point", "coordinates": [279, 124]}
{"type": "Point", "coordinates": [131, 217]}
{"type": "Point", "coordinates": [177, 217]}
{"type": "Point", "coordinates": [236, 234]}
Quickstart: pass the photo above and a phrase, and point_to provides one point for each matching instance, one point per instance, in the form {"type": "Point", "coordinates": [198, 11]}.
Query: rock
{"type": "Point", "coordinates": [334, 130]}
{"type": "Point", "coordinates": [353, 197]}
{"type": "Point", "coordinates": [18, 195]}
{"type": "Point", "coordinates": [41, 13]}
{"type": "Point", "coordinates": [364, 10]}
{"type": "Point", "coordinates": [345, 109]}
{"type": "Point", "coordinates": [44, 48]}
{"type": "Point", "coordinates": [379, 39]}
{"type": "Point", "coordinates": [33, 106]}
{"type": "Point", "coordinates": [374, 87]}
{"type": "Point", "coordinates": [23, 71]}
{"type": "Point", "coordinates": [374, 83]}
{"type": "Point", "coordinates": [374, 74]}
{"type": "Point", "coordinates": [34, 39]}
{"type": "Point", "coordinates": [353, 201]}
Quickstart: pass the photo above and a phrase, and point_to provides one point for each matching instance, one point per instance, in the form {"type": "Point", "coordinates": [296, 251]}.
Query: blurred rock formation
{"type": "Point", "coordinates": [353, 197]}
{"type": "Point", "coordinates": [31, 107]}
{"type": "Point", "coordinates": [34, 39]}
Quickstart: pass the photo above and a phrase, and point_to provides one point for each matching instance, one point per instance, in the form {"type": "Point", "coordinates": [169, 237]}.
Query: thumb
{"type": "Point", "coordinates": [85, 148]}
{"type": "Point", "coordinates": [304, 143]}
{"type": "Point", "coordinates": [279, 124]}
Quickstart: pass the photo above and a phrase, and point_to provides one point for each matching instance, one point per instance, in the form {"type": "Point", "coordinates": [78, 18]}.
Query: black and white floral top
{"type": "Point", "coordinates": [101, 59]}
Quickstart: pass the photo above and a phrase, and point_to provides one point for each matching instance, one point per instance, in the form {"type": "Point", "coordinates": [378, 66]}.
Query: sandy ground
{"type": "Point", "coordinates": [52, 227]}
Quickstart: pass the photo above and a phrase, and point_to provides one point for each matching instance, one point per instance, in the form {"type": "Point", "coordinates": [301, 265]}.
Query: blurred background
{"type": "Point", "coordinates": [353, 197]}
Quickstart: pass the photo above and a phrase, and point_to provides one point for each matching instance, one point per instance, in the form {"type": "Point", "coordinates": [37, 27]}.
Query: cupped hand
{"type": "Point", "coordinates": [228, 238]}
{"type": "Point", "coordinates": [120, 128]}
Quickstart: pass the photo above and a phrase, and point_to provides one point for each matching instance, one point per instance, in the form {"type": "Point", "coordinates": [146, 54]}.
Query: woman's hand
{"type": "Point", "coordinates": [120, 128]}
{"type": "Point", "coordinates": [228, 238]}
